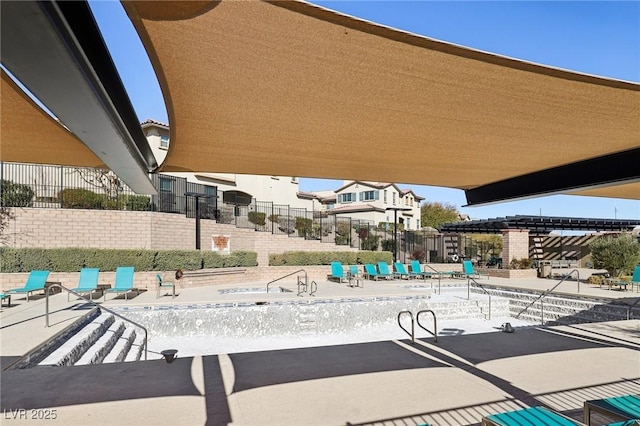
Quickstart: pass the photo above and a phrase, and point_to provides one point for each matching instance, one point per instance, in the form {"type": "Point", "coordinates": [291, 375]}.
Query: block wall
{"type": "Point", "coordinates": [54, 228]}
{"type": "Point", "coordinates": [515, 244]}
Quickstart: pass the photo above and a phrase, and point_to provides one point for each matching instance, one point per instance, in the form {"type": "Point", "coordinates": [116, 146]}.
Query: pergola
{"type": "Point", "coordinates": [540, 225]}
{"type": "Point", "coordinates": [288, 88]}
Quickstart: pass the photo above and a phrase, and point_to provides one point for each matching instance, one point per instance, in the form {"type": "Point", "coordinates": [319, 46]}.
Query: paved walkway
{"type": "Point", "coordinates": [453, 382]}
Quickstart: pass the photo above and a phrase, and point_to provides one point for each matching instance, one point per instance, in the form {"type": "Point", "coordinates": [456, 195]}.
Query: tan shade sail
{"type": "Point", "coordinates": [287, 88]}
{"type": "Point", "coordinates": [629, 191]}
{"type": "Point", "coordinates": [29, 135]}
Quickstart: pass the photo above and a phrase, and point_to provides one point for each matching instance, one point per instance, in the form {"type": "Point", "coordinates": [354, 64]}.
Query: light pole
{"type": "Point", "coordinates": [197, 196]}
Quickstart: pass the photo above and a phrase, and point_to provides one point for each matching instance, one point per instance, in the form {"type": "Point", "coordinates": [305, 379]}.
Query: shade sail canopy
{"type": "Point", "coordinates": [287, 88]}
{"type": "Point", "coordinates": [55, 50]}
{"type": "Point", "coordinates": [30, 135]}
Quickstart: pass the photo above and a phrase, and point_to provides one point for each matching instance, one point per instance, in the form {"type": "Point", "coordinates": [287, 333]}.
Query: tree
{"type": "Point", "coordinates": [435, 214]}
{"type": "Point", "coordinates": [487, 244]}
{"type": "Point", "coordinates": [618, 254]}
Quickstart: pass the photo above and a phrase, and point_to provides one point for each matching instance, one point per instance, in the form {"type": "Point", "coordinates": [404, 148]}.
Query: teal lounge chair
{"type": "Point", "coordinates": [88, 282]}
{"type": "Point", "coordinates": [468, 270]}
{"type": "Point", "coordinates": [165, 284]}
{"type": "Point", "coordinates": [401, 271]}
{"type": "Point", "coordinates": [622, 408]}
{"type": "Point", "coordinates": [123, 282]}
{"type": "Point", "coordinates": [7, 297]}
{"type": "Point", "coordinates": [528, 416]}
{"type": "Point", "coordinates": [354, 275]}
{"type": "Point", "coordinates": [36, 281]}
{"type": "Point", "coordinates": [384, 272]}
{"type": "Point", "coordinates": [416, 269]}
{"type": "Point", "coordinates": [337, 272]}
{"type": "Point", "coordinates": [635, 280]}
{"type": "Point", "coordinates": [371, 272]}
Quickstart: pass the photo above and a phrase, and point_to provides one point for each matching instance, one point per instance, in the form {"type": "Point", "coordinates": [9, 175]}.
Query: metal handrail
{"type": "Point", "coordinates": [469, 279]}
{"type": "Point", "coordinates": [306, 278]}
{"type": "Point", "coordinates": [313, 290]}
{"type": "Point", "coordinates": [435, 323]}
{"type": "Point", "coordinates": [48, 292]}
{"type": "Point", "coordinates": [437, 272]}
{"type": "Point", "coordinates": [630, 307]}
{"type": "Point", "coordinates": [543, 295]}
{"type": "Point", "coordinates": [412, 334]}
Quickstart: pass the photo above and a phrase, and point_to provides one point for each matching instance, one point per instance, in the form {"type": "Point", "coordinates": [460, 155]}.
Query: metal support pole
{"type": "Point", "coordinates": [197, 223]}
{"type": "Point", "coordinates": [395, 235]}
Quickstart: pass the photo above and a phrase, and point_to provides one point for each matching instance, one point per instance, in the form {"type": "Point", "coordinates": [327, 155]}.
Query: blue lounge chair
{"type": "Point", "coordinates": [123, 282]}
{"type": "Point", "coordinates": [337, 272]}
{"type": "Point", "coordinates": [622, 408]}
{"type": "Point", "coordinates": [88, 281]}
{"type": "Point", "coordinates": [528, 416]}
{"type": "Point", "coordinates": [371, 272]}
{"type": "Point", "coordinates": [7, 297]}
{"type": "Point", "coordinates": [165, 284]}
{"type": "Point", "coordinates": [635, 280]}
{"type": "Point", "coordinates": [468, 270]}
{"type": "Point", "coordinates": [416, 269]}
{"type": "Point", "coordinates": [384, 272]}
{"type": "Point", "coordinates": [36, 281]}
{"type": "Point", "coordinates": [354, 275]}
{"type": "Point", "coordinates": [401, 271]}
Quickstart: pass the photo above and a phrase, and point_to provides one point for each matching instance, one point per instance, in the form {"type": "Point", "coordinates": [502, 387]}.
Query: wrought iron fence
{"type": "Point", "coordinates": [46, 186]}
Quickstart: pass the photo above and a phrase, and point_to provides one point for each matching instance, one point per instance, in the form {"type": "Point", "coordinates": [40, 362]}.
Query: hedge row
{"type": "Point", "coordinates": [303, 258]}
{"type": "Point", "coordinates": [73, 259]}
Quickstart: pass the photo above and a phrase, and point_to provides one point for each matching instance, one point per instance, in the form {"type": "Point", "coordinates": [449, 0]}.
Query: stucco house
{"type": "Point", "coordinates": [376, 202]}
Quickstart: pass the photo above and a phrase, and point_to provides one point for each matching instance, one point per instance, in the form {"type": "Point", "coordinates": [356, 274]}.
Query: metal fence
{"type": "Point", "coordinates": [45, 186]}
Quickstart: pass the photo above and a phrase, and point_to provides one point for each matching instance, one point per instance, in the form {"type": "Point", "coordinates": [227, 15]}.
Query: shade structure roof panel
{"type": "Point", "coordinates": [540, 224]}
{"type": "Point", "coordinates": [287, 88]}
{"type": "Point", "coordinates": [31, 135]}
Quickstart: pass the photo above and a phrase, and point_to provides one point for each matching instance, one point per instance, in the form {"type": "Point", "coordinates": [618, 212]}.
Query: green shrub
{"type": "Point", "coordinates": [80, 199]}
{"type": "Point", "coordinates": [73, 259]}
{"type": "Point", "coordinates": [524, 263]}
{"type": "Point", "coordinates": [304, 226]}
{"type": "Point", "coordinates": [257, 218]}
{"type": "Point", "coordinates": [16, 194]}
{"type": "Point", "coordinates": [212, 259]}
{"type": "Point", "coordinates": [137, 202]}
{"type": "Point", "coordinates": [388, 245]}
{"type": "Point", "coordinates": [304, 258]}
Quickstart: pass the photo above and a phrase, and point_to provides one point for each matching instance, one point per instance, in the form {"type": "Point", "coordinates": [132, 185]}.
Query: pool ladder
{"type": "Point", "coordinates": [303, 285]}
{"type": "Point", "coordinates": [412, 334]}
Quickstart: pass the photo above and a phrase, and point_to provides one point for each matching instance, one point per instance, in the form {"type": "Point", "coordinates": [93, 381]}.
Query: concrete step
{"type": "Point", "coordinates": [122, 346]}
{"type": "Point", "coordinates": [73, 349]}
{"type": "Point", "coordinates": [101, 348]}
{"type": "Point", "coordinates": [136, 352]}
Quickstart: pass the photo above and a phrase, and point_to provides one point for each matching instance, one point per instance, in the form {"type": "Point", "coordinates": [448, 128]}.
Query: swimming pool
{"type": "Point", "coordinates": [214, 328]}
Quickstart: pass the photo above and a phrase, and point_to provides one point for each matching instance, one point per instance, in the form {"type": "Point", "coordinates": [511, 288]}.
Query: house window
{"type": "Point", "coordinates": [330, 206]}
{"type": "Point", "coordinates": [394, 198]}
{"type": "Point", "coordinates": [348, 197]}
{"type": "Point", "coordinates": [164, 141]}
{"type": "Point", "coordinates": [418, 224]}
{"type": "Point", "coordinates": [166, 184]}
{"type": "Point", "coordinates": [385, 196]}
{"type": "Point", "coordinates": [408, 224]}
{"type": "Point", "coordinates": [369, 195]}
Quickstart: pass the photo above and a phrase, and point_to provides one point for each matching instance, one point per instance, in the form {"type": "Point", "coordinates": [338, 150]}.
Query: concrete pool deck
{"type": "Point", "coordinates": [453, 382]}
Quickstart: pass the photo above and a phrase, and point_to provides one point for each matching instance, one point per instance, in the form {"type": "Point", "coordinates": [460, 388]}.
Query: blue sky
{"type": "Point", "coordinates": [592, 37]}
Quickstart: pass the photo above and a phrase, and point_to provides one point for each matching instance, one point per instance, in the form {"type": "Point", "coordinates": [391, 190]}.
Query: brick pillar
{"type": "Point", "coordinates": [515, 244]}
